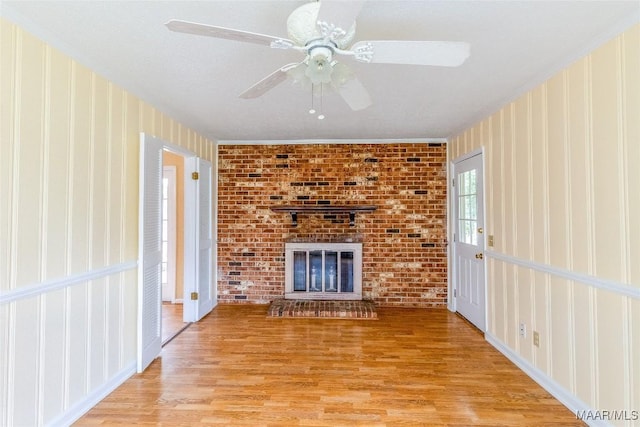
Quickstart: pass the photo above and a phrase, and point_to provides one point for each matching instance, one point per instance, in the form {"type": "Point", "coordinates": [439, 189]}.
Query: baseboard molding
{"type": "Point", "coordinates": [79, 409]}
{"type": "Point", "coordinates": [573, 403]}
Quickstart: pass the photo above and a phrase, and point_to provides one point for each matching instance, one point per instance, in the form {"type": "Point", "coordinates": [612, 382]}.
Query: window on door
{"type": "Point", "coordinates": [467, 207]}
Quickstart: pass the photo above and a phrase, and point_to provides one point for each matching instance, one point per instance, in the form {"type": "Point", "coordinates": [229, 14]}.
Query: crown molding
{"type": "Point", "coordinates": [334, 141]}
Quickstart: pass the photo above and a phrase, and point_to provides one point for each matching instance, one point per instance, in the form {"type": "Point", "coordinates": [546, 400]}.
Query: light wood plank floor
{"type": "Point", "coordinates": [410, 367]}
{"type": "Point", "coordinates": [172, 322]}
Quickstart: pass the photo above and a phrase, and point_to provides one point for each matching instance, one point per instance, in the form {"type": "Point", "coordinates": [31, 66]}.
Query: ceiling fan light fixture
{"type": "Point", "coordinates": [320, 67]}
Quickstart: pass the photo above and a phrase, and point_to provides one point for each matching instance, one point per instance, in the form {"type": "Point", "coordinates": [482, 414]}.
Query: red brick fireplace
{"type": "Point", "coordinates": [404, 253]}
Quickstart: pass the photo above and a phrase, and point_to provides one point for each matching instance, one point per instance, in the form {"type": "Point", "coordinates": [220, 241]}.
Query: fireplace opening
{"type": "Point", "coordinates": [323, 271]}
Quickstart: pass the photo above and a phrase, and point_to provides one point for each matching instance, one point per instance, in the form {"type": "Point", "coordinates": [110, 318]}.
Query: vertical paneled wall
{"type": "Point", "coordinates": [68, 229]}
{"type": "Point", "coordinates": [563, 202]}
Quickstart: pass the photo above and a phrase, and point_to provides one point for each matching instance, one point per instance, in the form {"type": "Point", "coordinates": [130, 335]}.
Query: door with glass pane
{"type": "Point", "coordinates": [469, 279]}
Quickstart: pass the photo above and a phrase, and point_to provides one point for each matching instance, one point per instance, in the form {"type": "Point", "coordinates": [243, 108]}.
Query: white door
{"type": "Point", "coordinates": [204, 250]}
{"type": "Point", "coordinates": [200, 285]}
{"type": "Point", "coordinates": [149, 252]}
{"type": "Point", "coordinates": [469, 278]}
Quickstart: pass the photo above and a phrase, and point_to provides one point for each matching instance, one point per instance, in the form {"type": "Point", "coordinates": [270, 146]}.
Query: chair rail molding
{"type": "Point", "coordinates": [63, 282]}
{"type": "Point", "coordinates": [625, 289]}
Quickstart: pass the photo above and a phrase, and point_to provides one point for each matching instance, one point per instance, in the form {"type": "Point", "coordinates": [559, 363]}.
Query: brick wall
{"type": "Point", "coordinates": [404, 240]}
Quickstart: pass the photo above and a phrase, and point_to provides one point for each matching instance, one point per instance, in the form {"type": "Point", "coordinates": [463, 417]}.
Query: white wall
{"type": "Point", "coordinates": [68, 229]}
{"type": "Point", "coordinates": [562, 168]}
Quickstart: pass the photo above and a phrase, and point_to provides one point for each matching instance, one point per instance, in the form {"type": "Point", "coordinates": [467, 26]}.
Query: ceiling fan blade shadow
{"type": "Point", "coordinates": [269, 82]}
{"type": "Point", "coordinates": [340, 13]}
{"type": "Point", "coordinates": [226, 33]}
{"type": "Point", "coordinates": [355, 94]}
{"type": "Point", "coordinates": [438, 53]}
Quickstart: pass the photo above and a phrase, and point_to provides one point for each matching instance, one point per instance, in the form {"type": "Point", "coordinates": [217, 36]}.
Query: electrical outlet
{"type": "Point", "coordinates": [536, 338]}
{"type": "Point", "coordinates": [523, 329]}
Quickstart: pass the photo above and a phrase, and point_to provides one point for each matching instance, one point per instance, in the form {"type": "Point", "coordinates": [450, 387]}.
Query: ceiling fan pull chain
{"type": "Point", "coordinates": [312, 110]}
{"type": "Point", "coordinates": [321, 115]}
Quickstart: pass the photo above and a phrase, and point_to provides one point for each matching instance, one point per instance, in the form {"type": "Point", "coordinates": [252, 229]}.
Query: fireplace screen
{"type": "Point", "coordinates": [323, 270]}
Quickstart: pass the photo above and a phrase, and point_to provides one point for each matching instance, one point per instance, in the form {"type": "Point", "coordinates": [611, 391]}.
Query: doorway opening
{"type": "Point", "coordinates": [198, 261]}
{"type": "Point", "coordinates": [173, 322]}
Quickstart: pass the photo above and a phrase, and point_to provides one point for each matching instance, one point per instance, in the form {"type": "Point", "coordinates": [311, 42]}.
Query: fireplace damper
{"type": "Point", "coordinates": [328, 271]}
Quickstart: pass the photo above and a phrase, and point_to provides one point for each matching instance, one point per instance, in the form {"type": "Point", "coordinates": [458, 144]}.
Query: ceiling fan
{"type": "Point", "coordinates": [322, 30]}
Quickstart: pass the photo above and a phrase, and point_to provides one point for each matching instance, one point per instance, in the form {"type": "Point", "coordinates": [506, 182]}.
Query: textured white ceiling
{"type": "Point", "coordinates": [515, 45]}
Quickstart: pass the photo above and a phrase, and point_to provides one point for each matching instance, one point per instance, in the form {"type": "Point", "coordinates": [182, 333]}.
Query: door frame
{"type": "Point", "coordinates": [190, 307]}
{"type": "Point", "coordinates": [451, 215]}
{"type": "Point", "coordinates": [190, 199]}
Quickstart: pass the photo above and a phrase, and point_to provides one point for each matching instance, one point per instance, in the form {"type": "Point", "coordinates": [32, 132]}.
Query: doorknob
{"type": "Point", "coordinates": [479, 256]}
{"type": "Point", "coordinates": [480, 230]}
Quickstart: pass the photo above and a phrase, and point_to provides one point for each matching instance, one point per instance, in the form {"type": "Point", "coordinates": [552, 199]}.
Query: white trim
{"type": "Point", "coordinates": [73, 413]}
{"type": "Point", "coordinates": [175, 149]}
{"type": "Point", "coordinates": [468, 155]}
{"type": "Point", "coordinates": [451, 302]}
{"type": "Point", "coordinates": [333, 141]}
{"type": "Point", "coordinates": [60, 283]}
{"type": "Point", "coordinates": [565, 397]}
{"type": "Point", "coordinates": [596, 282]}
{"type": "Point", "coordinates": [189, 272]}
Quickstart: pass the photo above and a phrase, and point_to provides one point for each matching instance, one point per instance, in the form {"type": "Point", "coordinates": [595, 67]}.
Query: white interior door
{"type": "Point", "coordinates": [199, 249]}
{"type": "Point", "coordinates": [149, 252]}
{"type": "Point", "coordinates": [206, 283]}
{"type": "Point", "coordinates": [469, 267]}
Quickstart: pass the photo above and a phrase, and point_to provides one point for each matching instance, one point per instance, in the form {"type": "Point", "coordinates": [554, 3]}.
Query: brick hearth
{"type": "Point", "coordinates": [323, 309]}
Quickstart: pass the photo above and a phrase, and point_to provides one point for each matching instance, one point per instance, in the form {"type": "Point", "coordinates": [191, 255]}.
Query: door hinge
{"type": "Point", "coordinates": [455, 293]}
{"type": "Point", "coordinates": [453, 182]}
{"type": "Point", "coordinates": [195, 175]}
{"type": "Point", "coordinates": [194, 296]}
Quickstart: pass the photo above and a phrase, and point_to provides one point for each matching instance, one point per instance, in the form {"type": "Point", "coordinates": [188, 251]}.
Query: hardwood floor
{"type": "Point", "coordinates": [411, 367]}
{"type": "Point", "coordinates": [172, 322]}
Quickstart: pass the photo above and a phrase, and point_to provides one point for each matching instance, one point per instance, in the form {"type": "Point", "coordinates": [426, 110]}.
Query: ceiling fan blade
{"type": "Point", "coordinates": [227, 33]}
{"type": "Point", "coordinates": [439, 53]}
{"type": "Point", "coordinates": [269, 82]}
{"type": "Point", "coordinates": [355, 94]}
{"type": "Point", "coordinates": [342, 14]}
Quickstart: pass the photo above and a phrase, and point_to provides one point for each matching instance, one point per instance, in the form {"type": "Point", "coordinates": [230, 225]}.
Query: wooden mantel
{"type": "Point", "coordinates": [350, 209]}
